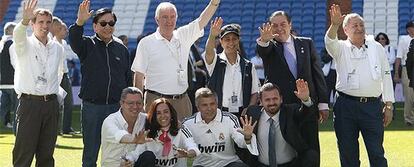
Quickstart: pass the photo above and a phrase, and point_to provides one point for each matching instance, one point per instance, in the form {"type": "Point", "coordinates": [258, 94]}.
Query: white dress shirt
{"type": "Point", "coordinates": [161, 60]}
{"type": "Point", "coordinates": [38, 67]}
{"type": "Point", "coordinates": [355, 73]}
{"type": "Point", "coordinates": [69, 54]}
{"type": "Point", "coordinates": [403, 46]}
{"type": "Point", "coordinates": [114, 128]}
{"type": "Point", "coordinates": [232, 84]}
{"type": "Point", "coordinates": [183, 140]}
{"type": "Point", "coordinates": [216, 139]}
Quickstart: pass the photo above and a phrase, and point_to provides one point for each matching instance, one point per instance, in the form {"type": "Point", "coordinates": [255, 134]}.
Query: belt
{"type": "Point", "coordinates": [39, 97]}
{"type": "Point", "coordinates": [359, 99]}
{"type": "Point", "coordinates": [227, 109]}
{"type": "Point", "coordinates": [178, 96]}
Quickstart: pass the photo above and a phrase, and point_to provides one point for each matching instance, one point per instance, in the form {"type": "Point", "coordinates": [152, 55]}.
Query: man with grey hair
{"type": "Point", "coordinates": [123, 130]}
{"type": "Point", "coordinates": [364, 78]}
{"type": "Point", "coordinates": [162, 57]}
{"type": "Point", "coordinates": [38, 65]}
{"type": "Point", "coordinates": [8, 96]}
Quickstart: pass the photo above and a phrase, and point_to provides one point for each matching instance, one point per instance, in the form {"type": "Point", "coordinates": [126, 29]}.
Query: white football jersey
{"type": "Point", "coordinates": [216, 139]}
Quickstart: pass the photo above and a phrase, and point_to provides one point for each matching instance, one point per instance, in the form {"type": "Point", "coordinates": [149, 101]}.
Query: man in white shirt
{"type": "Point", "coordinates": [363, 77]}
{"type": "Point", "coordinates": [38, 65]}
{"type": "Point", "coordinates": [278, 134]}
{"type": "Point", "coordinates": [61, 32]}
{"type": "Point", "coordinates": [403, 45]}
{"type": "Point", "coordinates": [215, 132]}
{"type": "Point", "coordinates": [123, 130]}
{"type": "Point", "coordinates": [162, 57]}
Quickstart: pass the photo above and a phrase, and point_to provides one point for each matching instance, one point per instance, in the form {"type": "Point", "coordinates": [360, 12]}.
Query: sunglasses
{"type": "Point", "coordinates": [381, 38]}
{"type": "Point", "coordinates": [104, 23]}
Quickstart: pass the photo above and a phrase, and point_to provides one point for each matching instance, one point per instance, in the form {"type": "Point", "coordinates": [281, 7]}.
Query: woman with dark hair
{"type": "Point", "coordinates": [171, 143]}
{"type": "Point", "coordinates": [383, 39]}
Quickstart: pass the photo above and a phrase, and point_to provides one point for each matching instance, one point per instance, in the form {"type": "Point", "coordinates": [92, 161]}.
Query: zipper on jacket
{"type": "Point", "coordinates": [109, 75]}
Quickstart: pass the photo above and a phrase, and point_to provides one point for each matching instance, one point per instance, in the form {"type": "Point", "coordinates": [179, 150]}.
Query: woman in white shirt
{"type": "Point", "coordinates": [171, 143]}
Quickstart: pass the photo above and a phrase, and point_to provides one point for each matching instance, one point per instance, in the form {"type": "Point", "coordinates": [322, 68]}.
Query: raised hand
{"type": "Point", "coordinates": [248, 127]}
{"type": "Point", "coordinates": [215, 27]}
{"type": "Point", "coordinates": [302, 90]}
{"type": "Point", "coordinates": [336, 15]}
{"type": "Point", "coordinates": [28, 8]}
{"type": "Point", "coordinates": [141, 138]}
{"type": "Point", "coordinates": [83, 12]}
{"type": "Point", "coordinates": [266, 33]}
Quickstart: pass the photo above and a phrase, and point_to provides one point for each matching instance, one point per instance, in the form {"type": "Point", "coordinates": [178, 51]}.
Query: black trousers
{"type": "Point", "coordinates": [37, 123]}
{"type": "Point", "coordinates": [146, 159]}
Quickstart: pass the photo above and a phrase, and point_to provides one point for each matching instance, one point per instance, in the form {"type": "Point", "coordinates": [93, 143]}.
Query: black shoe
{"type": "Point", "coordinates": [409, 124]}
{"type": "Point", "coordinates": [70, 132]}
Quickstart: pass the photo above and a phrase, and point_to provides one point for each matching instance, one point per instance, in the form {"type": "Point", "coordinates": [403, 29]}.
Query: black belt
{"type": "Point", "coordinates": [179, 96]}
{"type": "Point", "coordinates": [359, 99]}
{"type": "Point", "coordinates": [39, 97]}
{"type": "Point", "coordinates": [227, 109]}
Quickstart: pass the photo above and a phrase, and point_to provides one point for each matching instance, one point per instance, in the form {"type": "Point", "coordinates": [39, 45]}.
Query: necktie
{"type": "Point", "coordinates": [272, 143]}
{"type": "Point", "coordinates": [290, 59]}
{"type": "Point", "coordinates": [167, 143]}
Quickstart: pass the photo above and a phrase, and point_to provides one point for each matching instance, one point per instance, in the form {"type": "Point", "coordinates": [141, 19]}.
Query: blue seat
{"type": "Point", "coordinates": [248, 5]}
{"type": "Point", "coordinates": [309, 5]}
{"type": "Point", "coordinates": [297, 5]}
{"type": "Point", "coordinates": [261, 5]}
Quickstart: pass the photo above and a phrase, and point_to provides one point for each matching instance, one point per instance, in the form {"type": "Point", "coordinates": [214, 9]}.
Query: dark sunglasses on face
{"type": "Point", "coordinates": [381, 38]}
{"type": "Point", "coordinates": [104, 23]}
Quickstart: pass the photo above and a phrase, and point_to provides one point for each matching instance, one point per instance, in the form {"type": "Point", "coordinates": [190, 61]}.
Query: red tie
{"type": "Point", "coordinates": [167, 143]}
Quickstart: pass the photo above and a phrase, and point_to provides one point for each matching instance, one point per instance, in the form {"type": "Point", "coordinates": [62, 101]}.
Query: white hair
{"type": "Point", "coordinates": [348, 17]}
{"type": "Point", "coordinates": [165, 5]}
{"type": "Point", "coordinates": [8, 28]}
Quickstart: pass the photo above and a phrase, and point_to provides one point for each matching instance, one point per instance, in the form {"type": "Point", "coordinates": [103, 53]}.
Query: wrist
{"type": "Point", "coordinates": [214, 4]}
{"type": "Point", "coordinates": [25, 22]}
{"type": "Point", "coordinates": [79, 23]}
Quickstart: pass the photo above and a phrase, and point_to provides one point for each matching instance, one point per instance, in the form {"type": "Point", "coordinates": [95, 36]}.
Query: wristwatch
{"type": "Point", "coordinates": [388, 107]}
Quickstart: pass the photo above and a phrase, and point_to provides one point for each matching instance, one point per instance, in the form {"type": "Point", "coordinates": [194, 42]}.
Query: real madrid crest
{"type": "Point", "coordinates": [221, 136]}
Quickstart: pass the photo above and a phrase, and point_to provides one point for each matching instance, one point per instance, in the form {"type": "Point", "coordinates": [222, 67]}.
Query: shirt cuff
{"type": "Point", "coordinates": [323, 106]}
{"type": "Point", "coordinates": [308, 103]}
{"type": "Point", "coordinates": [118, 135]}
{"type": "Point", "coordinates": [262, 44]}
{"type": "Point", "coordinates": [252, 147]}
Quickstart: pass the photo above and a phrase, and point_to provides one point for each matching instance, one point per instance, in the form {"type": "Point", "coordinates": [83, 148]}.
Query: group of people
{"type": "Point", "coordinates": [138, 112]}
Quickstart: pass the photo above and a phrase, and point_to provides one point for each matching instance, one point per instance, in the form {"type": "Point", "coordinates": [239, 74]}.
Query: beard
{"type": "Point", "coordinates": [272, 109]}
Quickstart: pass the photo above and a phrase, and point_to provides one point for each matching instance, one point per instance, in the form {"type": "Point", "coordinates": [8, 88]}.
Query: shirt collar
{"type": "Point", "coordinates": [218, 117]}
{"type": "Point", "coordinates": [39, 43]}
{"type": "Point", "coordinates": [223, 56]}
{"type": "Point", "coordinates": [158, 35]}
{"type": "Point", "coordinates": [289, 40]}
{"type": "Point", "coordinates": [120, 118]}
{"type": "Point", "coordinates": [266, 116]}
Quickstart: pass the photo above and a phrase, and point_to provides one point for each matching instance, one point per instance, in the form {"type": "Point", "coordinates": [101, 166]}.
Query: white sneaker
{"type": "Point", "coordinates": [9, 125]}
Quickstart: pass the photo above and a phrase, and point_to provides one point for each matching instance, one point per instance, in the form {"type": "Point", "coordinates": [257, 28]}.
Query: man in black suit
{"type": "Point", "coordinates": [287, 57]}
{"type": "Point", "coordinates": [278, 136]}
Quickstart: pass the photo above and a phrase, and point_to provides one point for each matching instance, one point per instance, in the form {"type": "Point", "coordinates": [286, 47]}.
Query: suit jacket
{"type": "Point", "coordinates": [308, 68]}
{"type": "Point", "coordinates": [290, 118]}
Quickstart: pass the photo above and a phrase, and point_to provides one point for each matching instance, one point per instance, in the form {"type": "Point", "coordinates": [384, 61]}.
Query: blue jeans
{"type": "Point", "coordinates": [352, 117]}
{"type": "Point", "coordinates": [93, 116]}
{"type": "Point", "coordinates": [8, 107]}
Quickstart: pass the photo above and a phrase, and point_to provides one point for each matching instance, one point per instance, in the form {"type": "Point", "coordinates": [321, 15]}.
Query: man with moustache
{"type": "Point", "coordinates": [278, 136]}
{"type": "Point", "coordinates": [105, 69]}
{"type": "Point", "coordinates": [38, 71]}
{"type": "Point", "coordinates": [162, 57]}
{"type": "Point", "coordinates": [286, 58]}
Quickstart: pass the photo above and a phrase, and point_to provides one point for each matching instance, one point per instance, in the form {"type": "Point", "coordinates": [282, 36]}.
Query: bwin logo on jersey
{"type": "Point", "coordinates": [166, 162]}
{"type": "Point", "coordinates": [217, 147]}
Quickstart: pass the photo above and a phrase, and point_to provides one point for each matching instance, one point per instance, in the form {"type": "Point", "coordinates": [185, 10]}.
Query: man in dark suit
{"type": "Point", "coordinates": [410, 64]}
{"type": "Point", "coordinates": [286, 58]}
{"type": "Point", "coordinates": [278, 136]}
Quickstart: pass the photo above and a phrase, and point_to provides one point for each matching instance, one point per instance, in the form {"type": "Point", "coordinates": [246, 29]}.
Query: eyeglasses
{"type": "Point", "coordinates": [104, 23]}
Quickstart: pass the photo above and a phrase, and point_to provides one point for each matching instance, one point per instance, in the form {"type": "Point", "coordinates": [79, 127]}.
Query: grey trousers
{"type": "Point", "coordinates": [37, 123]}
